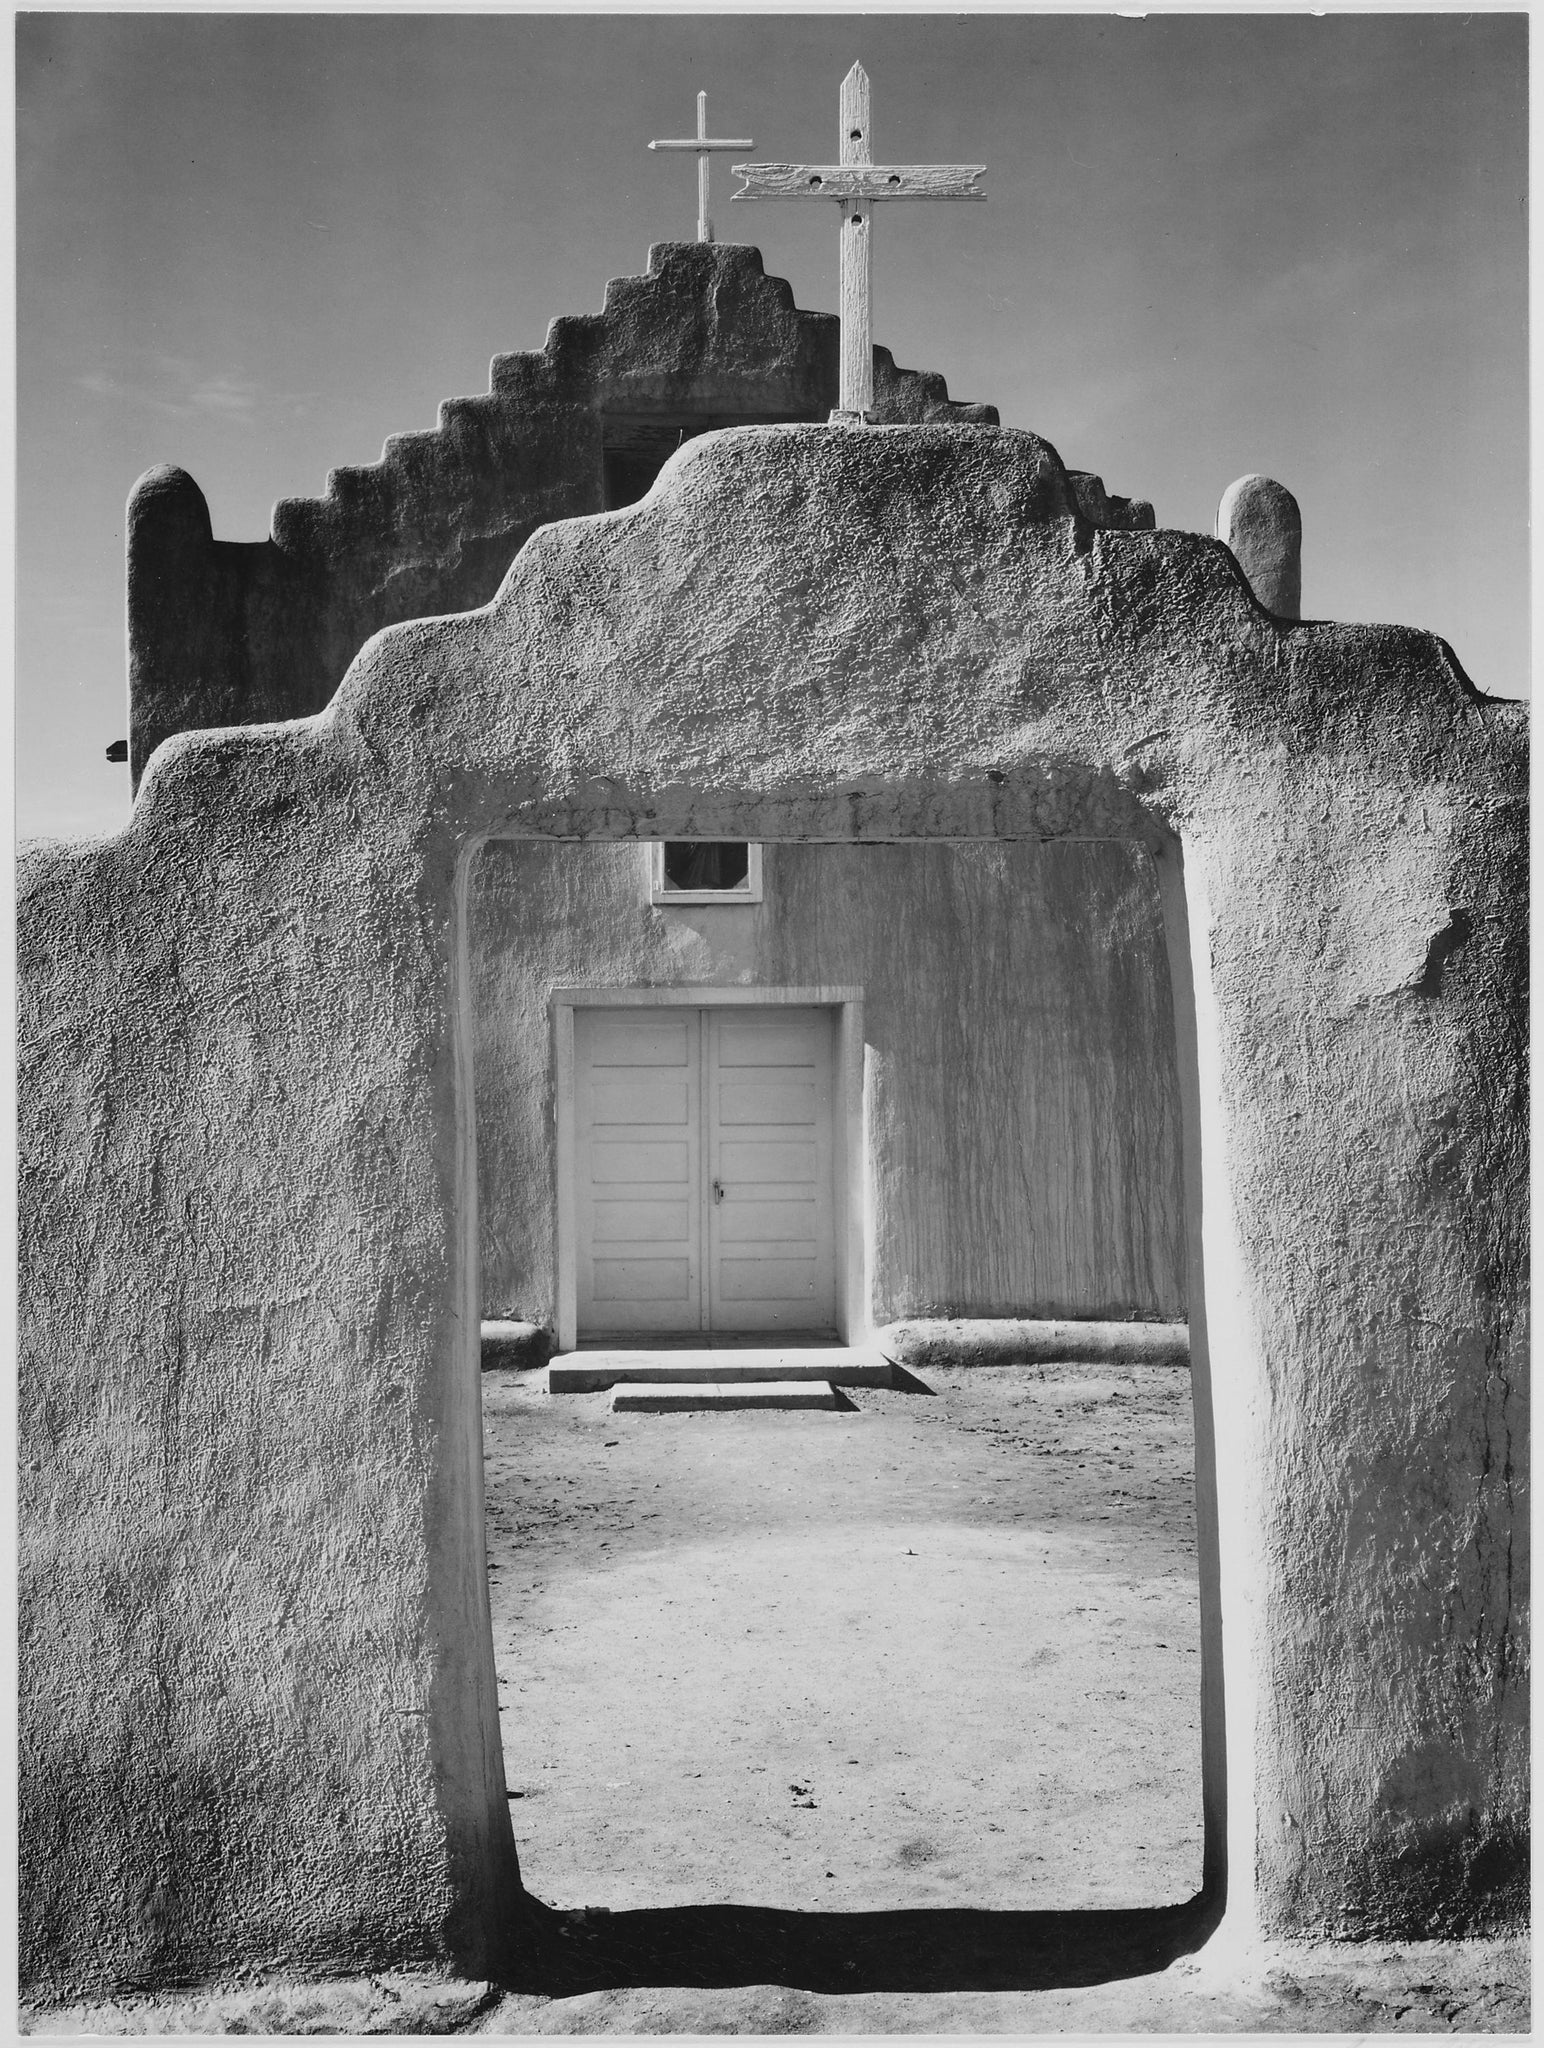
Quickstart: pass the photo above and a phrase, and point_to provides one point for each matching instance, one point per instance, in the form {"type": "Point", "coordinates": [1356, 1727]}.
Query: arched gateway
{"type": "Point", "coordinates": [259, 1719]}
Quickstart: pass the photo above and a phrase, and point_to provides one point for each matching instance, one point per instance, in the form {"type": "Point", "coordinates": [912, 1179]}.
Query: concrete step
{"type": "Point", "coordinates": [1018, 1340]}
{"type": "Point", "coordinates": [588, 1372]}
{"type": "Point", "coordinates": [655, 1397]}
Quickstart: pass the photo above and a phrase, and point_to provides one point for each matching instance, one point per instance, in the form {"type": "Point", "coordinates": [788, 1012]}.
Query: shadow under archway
{"type": "Point", "coordinates": [562, 1954]}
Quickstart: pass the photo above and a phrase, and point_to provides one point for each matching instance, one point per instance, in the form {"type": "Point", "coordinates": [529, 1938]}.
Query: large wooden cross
{"type": "Point", "coordinates": [856, 184]}
{"type": "Point", "coordinates": [702, 143]}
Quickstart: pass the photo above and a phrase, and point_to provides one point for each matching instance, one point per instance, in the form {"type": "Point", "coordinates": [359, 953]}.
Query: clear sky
{"type": "Point", "coordinates": [256, 245]}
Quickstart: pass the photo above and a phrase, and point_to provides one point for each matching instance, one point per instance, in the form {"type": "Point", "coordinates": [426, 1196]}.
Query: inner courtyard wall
{"type": "Point", "coordinates": [1022, 1121]}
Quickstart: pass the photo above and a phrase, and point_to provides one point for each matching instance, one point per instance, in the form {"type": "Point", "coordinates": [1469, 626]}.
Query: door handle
{"type": "Point", "coordinates": [718, 1191]}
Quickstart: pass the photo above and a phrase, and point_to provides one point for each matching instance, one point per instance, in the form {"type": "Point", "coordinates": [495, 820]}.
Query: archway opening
{"type": "Point", "coordinates": [591, 1514]}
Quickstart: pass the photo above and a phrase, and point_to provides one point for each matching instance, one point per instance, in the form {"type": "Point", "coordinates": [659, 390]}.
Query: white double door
{"type": "Point", "coordinates": [703, 1156]}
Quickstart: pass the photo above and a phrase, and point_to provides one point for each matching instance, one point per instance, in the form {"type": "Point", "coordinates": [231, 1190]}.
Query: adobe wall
{"type": "Point", "coordinates": [1023, 1154]}
{"type": "Point", "coordinates": [258, 1722]}
{"type": "Point", "coordinates": [238, 633]}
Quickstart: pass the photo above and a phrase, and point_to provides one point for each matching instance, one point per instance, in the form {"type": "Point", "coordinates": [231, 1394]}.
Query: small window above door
{"type": "Point", "coordinates": [687, 871]}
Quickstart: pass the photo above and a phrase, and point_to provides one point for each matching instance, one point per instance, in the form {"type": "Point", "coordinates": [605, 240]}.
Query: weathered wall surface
{"type": "Point", "coordinates": [1024, 1149]}
{"type": "Point", "coordinates": [257, 1711]}
{"type": "Point", "coordinates": [238, 633]}
{"type": "Point", "coordinates": [255, 1728]}
{"type": "Point", "coordinates": [1369, 987]}
{"type": "Point", "coordinates": [243, 632]}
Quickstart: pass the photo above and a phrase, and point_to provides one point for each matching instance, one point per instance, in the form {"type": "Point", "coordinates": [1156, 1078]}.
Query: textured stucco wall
{"type": "Point", "coordinates": [238, 633]}
{"type": "Point", "coordinates": [1023, 1126]}
{"type": "Point", "coordinates": [252, 1584]}
{"type": "Point", "coordinates": [257, 1708]}
{"type": "Point", "coordinates": [244, 632]}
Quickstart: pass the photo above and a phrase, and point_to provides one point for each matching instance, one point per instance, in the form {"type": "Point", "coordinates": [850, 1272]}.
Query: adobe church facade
{"type": "Point", "coordinates": [1212, 900]}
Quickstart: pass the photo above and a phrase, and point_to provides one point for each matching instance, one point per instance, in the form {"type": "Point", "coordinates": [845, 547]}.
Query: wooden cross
{"type": "Point", "coordinates": [856, 183]}
{"type": "Point", "coordinates": [702, 144]}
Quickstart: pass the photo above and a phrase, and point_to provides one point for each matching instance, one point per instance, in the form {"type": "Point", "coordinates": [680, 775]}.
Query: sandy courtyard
{"type": "Point", "coordinates": [881, 1722]}
{"type": "Point", "coordinates": [929, 1652]}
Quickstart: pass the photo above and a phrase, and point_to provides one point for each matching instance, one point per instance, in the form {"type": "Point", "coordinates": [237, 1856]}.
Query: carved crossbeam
{"type": "Point", "coordinates": [859, 181]}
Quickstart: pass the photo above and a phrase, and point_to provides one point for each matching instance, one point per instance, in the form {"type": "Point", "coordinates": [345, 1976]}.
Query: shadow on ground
{"type": "Point", "coordinates": [563, 1954]}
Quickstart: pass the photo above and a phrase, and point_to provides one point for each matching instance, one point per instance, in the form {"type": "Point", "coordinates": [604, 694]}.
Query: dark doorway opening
{"type": "Point", "coordinates": [635, 446]}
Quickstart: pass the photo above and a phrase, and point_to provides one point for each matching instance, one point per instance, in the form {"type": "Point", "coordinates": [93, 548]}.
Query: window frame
{"type": "Point", "coordinates": [662, 897]}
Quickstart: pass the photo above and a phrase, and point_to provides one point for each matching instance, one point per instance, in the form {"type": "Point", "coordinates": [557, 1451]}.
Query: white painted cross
{"type": "Point", "coordinates": [856, 183]}
{"type": "Point", "coordinates": [702, 143]}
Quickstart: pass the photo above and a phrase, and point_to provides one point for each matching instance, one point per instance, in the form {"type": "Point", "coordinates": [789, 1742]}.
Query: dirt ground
{"type": "Point", "coordinates": [933, 1651]}
{"type": "Point", "coordinates": [884, 1721]}
{"type": "Point", "coordinates": [1421, 1987]}
{"type": "Point", "coordinates": [875, 1722]}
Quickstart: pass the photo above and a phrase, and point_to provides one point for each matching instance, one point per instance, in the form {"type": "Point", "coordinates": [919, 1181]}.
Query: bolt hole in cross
{"type": "Point", "coordinates": [911, 1651]}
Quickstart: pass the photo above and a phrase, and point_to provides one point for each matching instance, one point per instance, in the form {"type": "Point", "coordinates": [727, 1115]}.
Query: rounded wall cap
{"type": "Point", "coordinates": [1259, 520]}
{"type": "Point", "coordinates": [169, 495]}
{"type": "Point", "coordinates": [1253, 497]}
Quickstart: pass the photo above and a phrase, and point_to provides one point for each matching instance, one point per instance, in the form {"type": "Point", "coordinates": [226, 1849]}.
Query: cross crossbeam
{"type": "Point", "coordinates": [857, 184]}
{"type": "Point", "coordinates": [859, 181]}
{"type": "Point", "coordinates": [704, 144]}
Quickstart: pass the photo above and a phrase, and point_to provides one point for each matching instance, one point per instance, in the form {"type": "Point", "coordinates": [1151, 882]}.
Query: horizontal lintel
{"type": "Point", "coordinates": [859, 181]}
{"type": "Point", "coordinates": [703, 142]}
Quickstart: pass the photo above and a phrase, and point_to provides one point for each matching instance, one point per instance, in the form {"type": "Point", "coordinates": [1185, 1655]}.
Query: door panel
{"type": "Point", "coordinates": [772, 1037]}
{"type": "Point", "coordinates": [764, 1161]}
{"type": "Point", "coordinates": [638, 1170]}
{"type": "Point", "coordinates": [631, 1281]}
{"type": "Point", "coordinates": [637, 1038]}
{"type": "Point", "coordinates": [766, 1102]}
{"type": "Point", "coordinates": [750, 1221]}
{"type": "Point", "coordinates": [641, 1102]}
{"type": "Point", "coordinates": [637, 1160]}
{"type": "Point", "coordinates": [773, 1281]}
{"type": "Point", "coordinates": [771, 1217]}
{"type": "Point", "coordinates": [630, 1223]}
